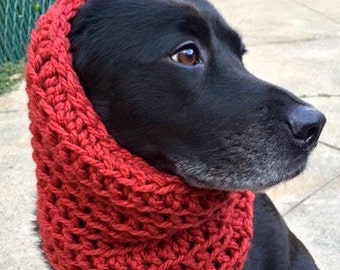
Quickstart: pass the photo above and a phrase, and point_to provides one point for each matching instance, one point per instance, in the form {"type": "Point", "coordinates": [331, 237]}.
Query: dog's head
{"type": "Point", "coordinates": [167, 79]}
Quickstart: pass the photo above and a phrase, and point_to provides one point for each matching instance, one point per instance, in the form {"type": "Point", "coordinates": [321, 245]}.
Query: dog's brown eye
{"type": "Point", "coordinates": [187, 56]}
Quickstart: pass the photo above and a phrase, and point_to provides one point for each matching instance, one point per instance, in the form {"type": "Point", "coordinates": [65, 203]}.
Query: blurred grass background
{"type": "Point", "coordinates": [17, 18]}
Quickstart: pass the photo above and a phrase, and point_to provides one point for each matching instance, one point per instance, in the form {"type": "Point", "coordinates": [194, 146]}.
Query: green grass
{"type": "Point", "coordinates": [10, 74]}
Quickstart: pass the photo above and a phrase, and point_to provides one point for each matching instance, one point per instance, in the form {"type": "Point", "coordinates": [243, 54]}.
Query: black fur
{"type": "Point", "coordinates": [212, 123]}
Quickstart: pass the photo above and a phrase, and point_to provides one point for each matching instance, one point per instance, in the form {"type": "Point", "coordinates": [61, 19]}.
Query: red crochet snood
{"type": "Point", "coordinates": [99, 206]}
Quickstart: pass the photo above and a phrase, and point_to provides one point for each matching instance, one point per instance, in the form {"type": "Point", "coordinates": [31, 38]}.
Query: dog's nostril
{"type": "Point", "coordinates": [311, 133]}
{"type": "Point", "coordinates": [306, 124]}
{"type": "Point", "coordinates": [305, 133]}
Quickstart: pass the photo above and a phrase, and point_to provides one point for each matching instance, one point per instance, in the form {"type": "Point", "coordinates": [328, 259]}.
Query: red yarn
{"type": "Point", "coordinates": [100, 207]}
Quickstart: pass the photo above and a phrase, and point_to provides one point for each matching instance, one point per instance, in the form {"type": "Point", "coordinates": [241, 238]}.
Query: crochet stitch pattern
{"type": "Point", "coordinates": [99, 206]}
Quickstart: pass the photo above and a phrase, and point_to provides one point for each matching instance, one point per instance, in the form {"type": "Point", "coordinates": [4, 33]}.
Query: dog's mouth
{"type": "Point", "coordinates": [224, 177]}
{"type": "Point", "coordinates": [253, 165]}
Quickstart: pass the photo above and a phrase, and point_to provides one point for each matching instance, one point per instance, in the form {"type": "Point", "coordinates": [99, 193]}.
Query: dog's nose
{"type": "Point", "coordinates": [306, 124]}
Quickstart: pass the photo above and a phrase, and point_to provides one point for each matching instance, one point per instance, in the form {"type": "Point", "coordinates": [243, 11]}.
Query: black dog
{"type": "Point", "coordinates": [167, 79]}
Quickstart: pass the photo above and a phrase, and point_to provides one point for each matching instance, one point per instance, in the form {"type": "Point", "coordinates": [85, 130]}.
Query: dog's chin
{"type": "Point", "coordinates": [288, 175]}
{"type": "Point", "coordinates": [254, 179]}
